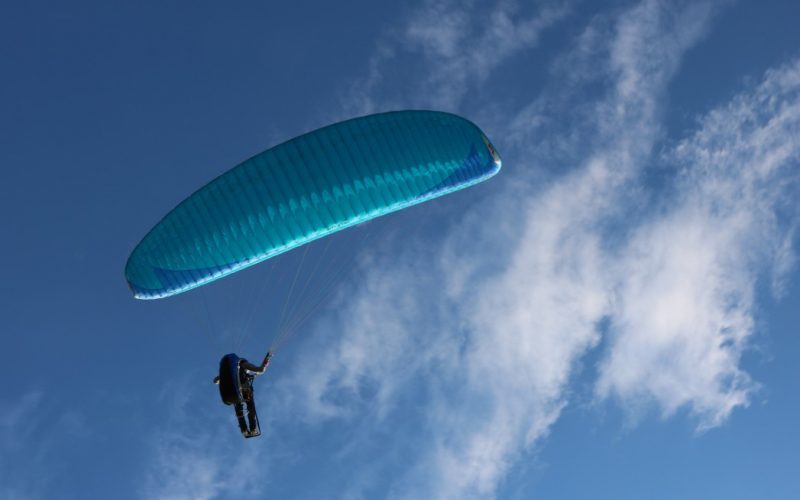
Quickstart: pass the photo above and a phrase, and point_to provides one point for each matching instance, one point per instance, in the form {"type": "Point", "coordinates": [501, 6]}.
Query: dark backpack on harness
{"type": "Point", "coordinates": [229, 386]}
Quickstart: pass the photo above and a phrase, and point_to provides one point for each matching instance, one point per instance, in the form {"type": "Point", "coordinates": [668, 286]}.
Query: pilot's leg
{"type": "Point", "coordinates": [240, 417]}
{"type": "Point", "coordinates": [252, 417]}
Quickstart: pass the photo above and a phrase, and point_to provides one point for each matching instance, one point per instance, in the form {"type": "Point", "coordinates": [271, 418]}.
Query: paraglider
{"type": "Point", "coordinates": [306, 188]}
{"type": "Point", "coordinates": [303, 189]}
{"type": "Point", "coordinates": [235, 382]}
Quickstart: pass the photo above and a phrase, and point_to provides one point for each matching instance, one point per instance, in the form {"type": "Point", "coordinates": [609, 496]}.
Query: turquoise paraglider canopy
{"type": "Point", "coordinates": [306, 188]}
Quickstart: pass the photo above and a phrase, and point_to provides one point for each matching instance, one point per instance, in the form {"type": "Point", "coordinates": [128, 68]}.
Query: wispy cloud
{"type": "Point", "coordinates": [453, 48]}
{"type": "Point", "coordinates": [510, 302]}
{"type": "Point", "coordinates": [198, 454]}
{"type": "Point", "coordinates": [686, 307]}
{"type": "Point", "coordinates": [466, 346]}
{"type": "Point", "coordinates": [16, 429]}
{"type": "Point", "coordinates": [35, 437]}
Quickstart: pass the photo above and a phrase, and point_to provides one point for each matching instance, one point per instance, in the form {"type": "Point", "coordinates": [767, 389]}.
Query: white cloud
{"type": "Point", "coordinates": [455, 47]}
{"type": "Point", "coordinates": [35, 439]}
{"type": "Point", "coordinates": [200, 455]}
{"type": "Point", "coordinates": [16, 428]}
{"type": "Point", "coordinates": [686, 305]}
{"type": "Point", "coordinates": [505, 310]}
{"type": "Point", "coordinates": [470, 343]}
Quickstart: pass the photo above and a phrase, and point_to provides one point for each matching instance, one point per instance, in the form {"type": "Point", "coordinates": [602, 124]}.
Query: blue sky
{"type": "Point", "coordinates": [613, 316]}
